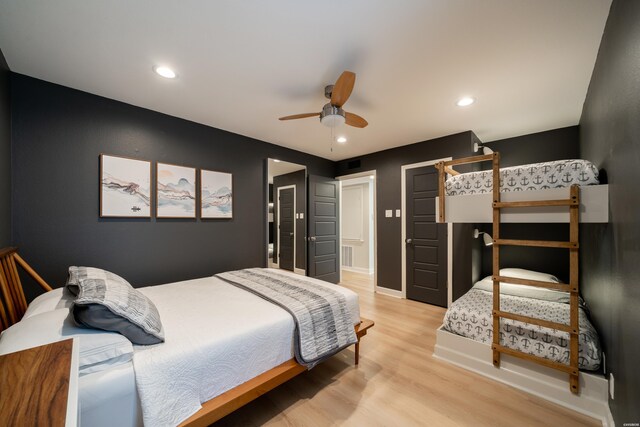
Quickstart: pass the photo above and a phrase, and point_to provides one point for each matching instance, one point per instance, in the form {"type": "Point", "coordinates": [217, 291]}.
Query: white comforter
{"type": "Point", "coordinates": [217, 337]}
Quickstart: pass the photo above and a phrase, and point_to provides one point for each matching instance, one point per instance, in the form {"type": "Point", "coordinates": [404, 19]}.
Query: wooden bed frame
{"type": "Point", "coordinates": [13, 305]}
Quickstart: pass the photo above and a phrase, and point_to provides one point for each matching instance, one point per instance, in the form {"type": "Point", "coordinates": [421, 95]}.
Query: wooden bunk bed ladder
{"type": "Point", "coordinates": [573, 203]}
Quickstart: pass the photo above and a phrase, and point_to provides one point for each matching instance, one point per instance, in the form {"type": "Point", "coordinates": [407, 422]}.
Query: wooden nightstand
{"type": "Point", "coordinates": [40, 385]}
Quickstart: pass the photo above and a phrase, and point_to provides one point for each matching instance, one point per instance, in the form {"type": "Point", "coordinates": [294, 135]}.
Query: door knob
{"type": "Point", "coordinates": [290, 234]}
{"type": "Point", "coordinates": [409, 241]}
{"type": "Point", "coordinates": [312, 239]}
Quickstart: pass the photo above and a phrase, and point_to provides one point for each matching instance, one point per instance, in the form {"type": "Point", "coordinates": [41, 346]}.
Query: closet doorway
{"type": "Point", "coordinates": [358, 229]}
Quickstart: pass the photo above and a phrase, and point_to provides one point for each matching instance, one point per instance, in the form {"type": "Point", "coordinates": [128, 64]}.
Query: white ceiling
{"type": "Point", "coordinates": [242, 64]}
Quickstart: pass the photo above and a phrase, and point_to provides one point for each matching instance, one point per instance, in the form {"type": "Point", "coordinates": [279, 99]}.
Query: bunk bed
{"type": "Point", "coordinates": [476, 330]}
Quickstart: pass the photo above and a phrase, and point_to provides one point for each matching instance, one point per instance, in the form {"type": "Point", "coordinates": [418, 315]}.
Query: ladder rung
{"type": "Point", "coordinates": [548, 285]}
{"type": "Point", "coordinates": [465, 160]}
{"type": "Point", "coordinates": [536, 203]}
{"type": "Point", "coordinates": [536, 243]}
{"type": "Point", "coordinates": [546, 362]}
{"type": "Point", "coordinates": [535, 321]}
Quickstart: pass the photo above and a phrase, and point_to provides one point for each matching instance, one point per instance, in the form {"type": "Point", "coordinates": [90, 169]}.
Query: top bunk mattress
{"type": "Point", "coordinates": [536, 176]}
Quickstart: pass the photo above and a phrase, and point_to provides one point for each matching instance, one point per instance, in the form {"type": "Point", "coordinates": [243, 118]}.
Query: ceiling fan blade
{"type": "Point", "coordinates": [355, 120]}
{"type": "Point", "coordinates": [300, 116]}
{"type": "Point", "coordinates": [342, 89]}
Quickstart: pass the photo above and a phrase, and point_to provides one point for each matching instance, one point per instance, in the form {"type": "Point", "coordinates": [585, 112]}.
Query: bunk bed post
{"type": "Point", "coordinates": [441, 184]}
{"type": "Point", "coordinates": [574, 346]}
{"type": "Point", "coordinates": [496, 257]}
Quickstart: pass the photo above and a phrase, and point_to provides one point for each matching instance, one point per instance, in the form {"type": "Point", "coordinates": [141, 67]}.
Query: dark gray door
{"type": "Point", "coordinates": [323, 220]}
{"type": "Point", "coordinates": [286, 233]}
{"type": "Point", "coordinates": [426, 240]}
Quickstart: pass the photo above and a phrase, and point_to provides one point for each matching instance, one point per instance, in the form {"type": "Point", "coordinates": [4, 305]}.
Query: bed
{"type": "Point", "coordinates": [535, 176]}
{"type": "Point", "coordinates": [471, 316]}
{"type": "Point", "coordinates": [468, 196]}
{"type": "Point", "coordinates": [218, 339]}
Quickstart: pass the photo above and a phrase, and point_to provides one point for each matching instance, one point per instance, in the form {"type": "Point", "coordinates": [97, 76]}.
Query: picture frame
{"type": "Point", "coordinates": [125, 187]}
{"type": "Point", "coordinates": [175, 191]}
{"type": "Point", "coordinates": [216, 195]}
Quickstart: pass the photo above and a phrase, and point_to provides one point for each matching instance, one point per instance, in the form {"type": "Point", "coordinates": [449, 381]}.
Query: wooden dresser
{"type": "Point", "coordinates": [38, 386]}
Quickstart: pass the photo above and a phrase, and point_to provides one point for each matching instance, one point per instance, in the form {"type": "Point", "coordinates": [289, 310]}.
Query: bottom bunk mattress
{"type": "Point", "coordinates": [470, 316]}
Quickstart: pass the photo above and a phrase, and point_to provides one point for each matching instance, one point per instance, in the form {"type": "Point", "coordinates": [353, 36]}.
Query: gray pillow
{"type": "Point", "coordinates": [112, 304]}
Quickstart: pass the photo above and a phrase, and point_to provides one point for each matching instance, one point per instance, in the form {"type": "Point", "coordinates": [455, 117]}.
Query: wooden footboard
{"type": "Point", "coordinates": [239, 396]}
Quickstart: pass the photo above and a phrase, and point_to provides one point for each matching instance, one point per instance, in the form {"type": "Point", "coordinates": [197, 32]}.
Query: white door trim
{"type": "Point", "coordinates": [375, 220]}
{"type": "Point", "coordinates": [295, 224]}
{"type": "Point", "coordinates": [403, 186]}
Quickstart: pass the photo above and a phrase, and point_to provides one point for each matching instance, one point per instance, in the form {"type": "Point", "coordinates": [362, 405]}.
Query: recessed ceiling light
{"type": "Point", "coordinates": [342, 139]}
{"type": "Point", "coordinates": [466, 101]}
{"type": "Point", "coordinates": [276, 160]}
{"type": "Point", "coordinates": [165, 72]}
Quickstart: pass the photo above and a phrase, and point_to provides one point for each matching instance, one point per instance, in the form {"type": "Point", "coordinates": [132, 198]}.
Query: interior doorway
{"type": "Point", "coordinates": [286, 200]}
{"type": "Point", "coordinates": [358, 229]}
{"type": "Point", "coordinates": [426, 244]}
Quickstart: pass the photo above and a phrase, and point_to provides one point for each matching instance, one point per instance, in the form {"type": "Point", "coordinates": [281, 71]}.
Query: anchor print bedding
{"type": "Point", "coordinates": [470, 316]}
{"type": "Point", "coordinates": [537, 176]}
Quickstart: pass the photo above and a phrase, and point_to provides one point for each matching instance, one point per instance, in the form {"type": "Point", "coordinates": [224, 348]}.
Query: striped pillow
{"type": "Point", "coordinates": [107, 301]}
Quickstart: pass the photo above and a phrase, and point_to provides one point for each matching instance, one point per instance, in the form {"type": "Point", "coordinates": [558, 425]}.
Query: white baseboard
{"type": "Point", "coordinates": [390, 292]}
{"type": "Point", "coordinates": [358, 270]}
{"type": "Point", "coordinates": [610, 422]}
{"type": "Point", "coordinates": [300, 271]}
{"type": "Point", "coordinates": [538, 380]}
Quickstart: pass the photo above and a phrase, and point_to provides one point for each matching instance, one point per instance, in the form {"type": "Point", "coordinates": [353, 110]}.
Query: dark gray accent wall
{"type": "Point", "coordinates": [388, 165]}
{"type": "Point", "coordinates": [57, 136]}
{"type": "Point", "coordinates": [556, 144]}
{"type": "Point", "coordinates": [5, 154]}
{"type": "Point", "coordinates": [299, 179]}
{"type": "Point", "coordinates": [610, 253]}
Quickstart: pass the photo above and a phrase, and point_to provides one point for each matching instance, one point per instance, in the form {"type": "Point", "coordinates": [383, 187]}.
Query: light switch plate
{"type": "Point", "coordinates": [388, 213]}
{"type": "Point", "coordinates": [398, 214]}
{"type": "Point", "coordinates": [301, 215]}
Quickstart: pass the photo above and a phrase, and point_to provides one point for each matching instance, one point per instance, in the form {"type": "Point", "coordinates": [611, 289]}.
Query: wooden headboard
{"type": "Point", "coordinates": [13, 304]}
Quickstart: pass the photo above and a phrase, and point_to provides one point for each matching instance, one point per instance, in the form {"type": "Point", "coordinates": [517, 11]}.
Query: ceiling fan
{"type": "Point", "coordinates": [332, 113]}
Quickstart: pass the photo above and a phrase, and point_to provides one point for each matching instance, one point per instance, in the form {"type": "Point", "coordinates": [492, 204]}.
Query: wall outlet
{"type": "Point", "coordinates": [611, 384]}
{"type": "Point", "coordinates": [388, 213]}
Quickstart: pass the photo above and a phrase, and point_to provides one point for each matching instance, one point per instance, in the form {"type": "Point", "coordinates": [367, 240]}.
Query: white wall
{"type": "Point", "coordinates": [357, 219]}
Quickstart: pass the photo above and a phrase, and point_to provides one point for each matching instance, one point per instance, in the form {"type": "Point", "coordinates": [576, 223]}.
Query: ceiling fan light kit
{"type": "Point", "coordinates": [332, 116]}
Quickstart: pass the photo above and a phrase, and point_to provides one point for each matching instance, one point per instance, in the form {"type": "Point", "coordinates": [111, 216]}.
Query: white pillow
{"type": "Point", "coordinates": [98, 350]}
{"type": "Point", "coordinates": [49, 301]}
{"type": "Point", "coordinates": [521, 273]}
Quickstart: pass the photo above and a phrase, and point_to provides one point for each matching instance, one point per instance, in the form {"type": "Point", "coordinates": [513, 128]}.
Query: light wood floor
{"type": "Point", "coordinates": [398, 382]}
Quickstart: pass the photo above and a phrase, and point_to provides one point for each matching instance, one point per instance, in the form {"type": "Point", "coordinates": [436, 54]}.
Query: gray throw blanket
{"type": "Point", "coordinates": [322, 319]}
